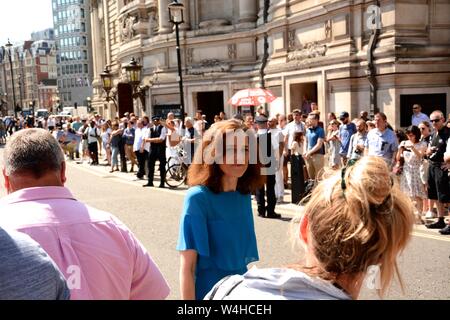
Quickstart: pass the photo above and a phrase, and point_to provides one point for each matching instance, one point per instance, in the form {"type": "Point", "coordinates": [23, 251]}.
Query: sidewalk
{"type": "Point", "coordinates": [285, 209]}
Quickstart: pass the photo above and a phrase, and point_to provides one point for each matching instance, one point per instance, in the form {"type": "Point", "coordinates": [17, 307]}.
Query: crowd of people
{"type": "Point", "coordinates": [361, 177]}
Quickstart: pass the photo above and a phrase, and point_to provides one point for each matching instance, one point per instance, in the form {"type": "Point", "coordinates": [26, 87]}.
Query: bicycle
{"type": "Point", "coordinates": [176, 172]}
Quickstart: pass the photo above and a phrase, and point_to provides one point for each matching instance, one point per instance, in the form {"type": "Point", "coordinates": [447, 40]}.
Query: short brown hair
{"type": "Point", "coordinates": [202, 173]}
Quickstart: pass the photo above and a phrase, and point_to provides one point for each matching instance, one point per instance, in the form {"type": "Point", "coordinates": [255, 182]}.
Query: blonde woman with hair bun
{"type": "Point", "coordinates": [355, 219]}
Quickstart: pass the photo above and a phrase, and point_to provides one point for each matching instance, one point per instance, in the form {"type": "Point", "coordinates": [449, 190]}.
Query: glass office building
{"type": "Point", "coordinates": [74, 53]}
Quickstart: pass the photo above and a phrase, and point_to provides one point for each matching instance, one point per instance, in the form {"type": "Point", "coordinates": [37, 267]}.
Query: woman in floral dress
{"type": "Point", "coordinates": [412, 151]}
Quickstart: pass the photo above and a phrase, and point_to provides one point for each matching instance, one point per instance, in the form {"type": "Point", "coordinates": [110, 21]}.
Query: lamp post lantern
{"type": "Point", "coordinates": [107, 84]}
{"type": "Point", "coordinates": [176, 13]}
{"type": "Point", "coordinates": [89, 104]}
{"type": "Point", "coordinates": [133, 70]}
{"type": "Point", "coordinates": [8, 47]}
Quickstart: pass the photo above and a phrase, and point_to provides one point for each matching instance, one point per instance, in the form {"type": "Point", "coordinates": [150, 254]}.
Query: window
{"type": "Point", "coordinates": [86, 69]}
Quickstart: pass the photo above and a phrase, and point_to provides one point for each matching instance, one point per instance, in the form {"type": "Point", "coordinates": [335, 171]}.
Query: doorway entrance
{"type": "Point", "coordinates": [210, 103]}
{"type": "Point", "coordinates": [429, 103]}
{"type": "Point", "coordinates": [125, 101]}
{"type": "Point", "coordinates": [299, 91]}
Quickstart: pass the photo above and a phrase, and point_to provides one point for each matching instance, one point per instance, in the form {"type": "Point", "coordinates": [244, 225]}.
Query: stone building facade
{"type": "Point", "coordinates": [33, 62]}
{"type": "Point", "coordinates": [345, 55]}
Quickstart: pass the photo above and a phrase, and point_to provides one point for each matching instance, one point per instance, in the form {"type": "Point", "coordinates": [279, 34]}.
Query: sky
{"type": "Point", "coordinates": [19, 18]}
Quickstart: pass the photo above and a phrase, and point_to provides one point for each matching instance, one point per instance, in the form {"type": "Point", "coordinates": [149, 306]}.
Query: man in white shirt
{"type": "Point", "coordinates": [289, 132]}
{"type": "Point", "coordinates": [157, 141]}
{"type": "Point", "coordinates": [278, 145]}
{"type": "Point", "coordinates": [293, 127]}
{"type": "Point", "coordinates": [418, 116]}
{"type": "Point", "coordinates": [93, 133]}
{"type": "Point", "coordinates": [138, 147]}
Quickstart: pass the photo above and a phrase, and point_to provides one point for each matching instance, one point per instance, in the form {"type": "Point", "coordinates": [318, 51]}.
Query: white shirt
{"type": "Point", "coordinates": [291, 129]}
{"type": "Point", "coordinates": [146, 134]}
{"type": "Point", "coordinates": [138, 138]}
{"type": "Point", "coordinates": [51, 122]}
{"type": "Point", "coordinates": [277, 139]}
{"type": "Point", "coordinates": [93, 134]}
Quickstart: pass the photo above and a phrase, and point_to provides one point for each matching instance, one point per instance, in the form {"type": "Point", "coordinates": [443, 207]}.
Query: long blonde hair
{"type": "Point", "coordinates": [357, 220]}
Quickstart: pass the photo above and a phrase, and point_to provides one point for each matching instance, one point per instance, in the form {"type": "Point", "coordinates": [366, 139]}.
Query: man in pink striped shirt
{"type": "Point", "coordinates": [98, 254]}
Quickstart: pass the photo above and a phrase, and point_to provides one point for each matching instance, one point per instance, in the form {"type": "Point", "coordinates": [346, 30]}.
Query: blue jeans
{"type": "Point", "coordinates": [115, 154]}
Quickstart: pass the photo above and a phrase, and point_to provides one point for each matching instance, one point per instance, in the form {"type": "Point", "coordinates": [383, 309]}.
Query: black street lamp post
{"type": "Point", "coordinates": [20, 93]}
{"type": "Point", "coordinates": [176, 17]}
{"type": "Point", "coordinates": [8, 46]}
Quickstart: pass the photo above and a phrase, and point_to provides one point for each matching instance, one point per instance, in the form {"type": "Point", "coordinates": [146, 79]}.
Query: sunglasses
{"type": "Point", "coordinates": [415, 108]}
{"type": "Point", "coordinates": [435, 120]}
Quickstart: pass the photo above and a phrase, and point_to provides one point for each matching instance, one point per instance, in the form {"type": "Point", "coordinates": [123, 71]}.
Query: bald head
{"type": "Point", "coordinates": [33, 158]}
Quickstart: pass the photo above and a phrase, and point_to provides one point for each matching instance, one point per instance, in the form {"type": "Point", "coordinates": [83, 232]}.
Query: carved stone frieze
{"type": "Point", "coordinates": [127, 31]}
{"type": "Point", "coordinates": [153, 22]}
{"type": "Point", "coordinates": [308, 51]}
{"type": "Point", "coordinates": [232, 52]}
{"type": "Point", "coordinates": [209, 66]}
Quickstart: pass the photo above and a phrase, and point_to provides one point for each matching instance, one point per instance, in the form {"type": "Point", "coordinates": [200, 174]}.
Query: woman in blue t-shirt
{"type": "Point", "coordinates": [217, 236]}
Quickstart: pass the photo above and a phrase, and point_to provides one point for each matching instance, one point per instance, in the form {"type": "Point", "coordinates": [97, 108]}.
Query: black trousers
{"type": "Point", "coordinates": [123, 158]}
{"type": "Point", "coordinates": [297, 178]}
{"type": "Point", "coordinates": [93, 152]}
{"type": "Point", "coordinates": [271, 198]}
{"type": "Point", "coordinates": [152, 158]}
{"type": "Point", "coordinates": [141, 158]}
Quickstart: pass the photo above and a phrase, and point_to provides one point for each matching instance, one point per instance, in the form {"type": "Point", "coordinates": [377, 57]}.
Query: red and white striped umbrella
{"type": "Point", "coordinates": [252, 97]}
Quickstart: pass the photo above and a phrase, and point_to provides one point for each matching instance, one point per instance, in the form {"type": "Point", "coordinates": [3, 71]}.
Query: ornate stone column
{"type": "Point", "coordinates": [98, 49]}
{"type": "Point", "coordinates": [165, 26]}
{"type": "Point", "coordinates": [187, 15]}
{"type": "Point", "coordinates": [247, 11]}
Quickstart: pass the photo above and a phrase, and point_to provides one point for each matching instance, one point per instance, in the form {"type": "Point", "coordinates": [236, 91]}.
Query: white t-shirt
{"type": "Point", "coordinates": [93, 134]}
{"type": "Point", "coordinates": [291, 129]}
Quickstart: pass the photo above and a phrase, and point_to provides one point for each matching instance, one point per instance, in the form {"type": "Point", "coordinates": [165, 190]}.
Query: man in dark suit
{"type": "Point", "coordinates": [157, 141]}
{"type": "Point", "coordinates": [267, 158]}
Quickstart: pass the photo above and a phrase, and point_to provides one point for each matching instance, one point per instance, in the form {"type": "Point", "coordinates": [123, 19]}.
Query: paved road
{"type": "Point", "coordinates": [152, 214]}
